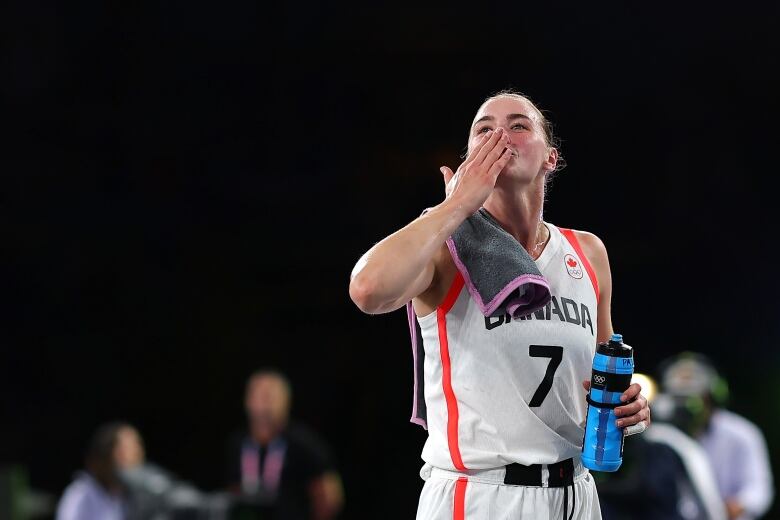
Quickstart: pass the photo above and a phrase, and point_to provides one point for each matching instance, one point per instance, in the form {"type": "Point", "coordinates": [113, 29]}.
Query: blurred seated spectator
{"type": "Point", "coordinates": [278, 468]}
{"type": "Point", "coordinates": [97, 493]}
{"type": "Point", "coordinates": [119, 484]}
{"type": "Point", "coordinates": [736, 448]}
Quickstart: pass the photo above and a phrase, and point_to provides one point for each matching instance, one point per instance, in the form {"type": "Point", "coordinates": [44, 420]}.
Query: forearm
{"type": "Point", "coordinates": [400, 267]}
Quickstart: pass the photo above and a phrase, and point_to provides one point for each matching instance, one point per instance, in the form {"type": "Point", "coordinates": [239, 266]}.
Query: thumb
{"type": "Point", "coordinates": [447, 174]}
{"type": "Point", "coordinates": [586, 385]}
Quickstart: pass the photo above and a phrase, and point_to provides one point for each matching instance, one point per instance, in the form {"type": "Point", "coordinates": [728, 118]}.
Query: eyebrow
{"type": "Point", "coordinates": [510, 117]}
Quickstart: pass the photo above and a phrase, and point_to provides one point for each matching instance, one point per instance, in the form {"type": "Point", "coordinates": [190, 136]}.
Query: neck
{"type": "Point", "coordinates": [265, 434]}
{"type": "Point", "coordinates": [519, 211]}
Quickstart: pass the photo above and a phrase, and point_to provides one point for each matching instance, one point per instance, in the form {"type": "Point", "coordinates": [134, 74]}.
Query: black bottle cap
{"type": "Point", "coordinates": [615, 347]}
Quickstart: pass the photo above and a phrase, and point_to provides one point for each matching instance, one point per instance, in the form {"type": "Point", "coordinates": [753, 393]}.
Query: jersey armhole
{"type": "Point", "coordinates": [454, 291]}
{"type": "Point", "coordinates": [572, 238]}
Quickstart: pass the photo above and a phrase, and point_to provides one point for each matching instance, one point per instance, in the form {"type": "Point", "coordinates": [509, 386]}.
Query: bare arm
{"type": "Point", "coordinates": [636, 409]}
{"type": "Point", "coordinates": [401, 266]}
{"type": "Point", "coordinates": [596, 252]}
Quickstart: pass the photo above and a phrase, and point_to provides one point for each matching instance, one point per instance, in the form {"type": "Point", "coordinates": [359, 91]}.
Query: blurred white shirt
{"type": "Point", "coordinates": [738, 455]}
{"type": "Point", "coordinates": [86, 499]}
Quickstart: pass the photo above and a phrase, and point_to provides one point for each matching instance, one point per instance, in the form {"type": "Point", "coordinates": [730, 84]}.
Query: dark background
{"type": "Point", "coordinates": [187, 186]}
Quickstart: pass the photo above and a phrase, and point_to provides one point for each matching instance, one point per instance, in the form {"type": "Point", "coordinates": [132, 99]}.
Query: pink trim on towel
{"type": "Point", "coordinates": [498, 299]}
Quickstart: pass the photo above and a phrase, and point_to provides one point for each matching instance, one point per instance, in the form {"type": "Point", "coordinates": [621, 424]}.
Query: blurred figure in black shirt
{"type": "Point", "coordinates": [280, 470]}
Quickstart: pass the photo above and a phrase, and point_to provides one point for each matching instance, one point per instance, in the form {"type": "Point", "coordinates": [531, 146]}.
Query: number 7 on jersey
{"type": "Point", "coordinates": [555, 353]}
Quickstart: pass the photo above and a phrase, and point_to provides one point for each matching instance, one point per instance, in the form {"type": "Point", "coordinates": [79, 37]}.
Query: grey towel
{"type": "Point", "coordinates": [499, 273]}
{"type": "Point", "coordinates": [500, 276]}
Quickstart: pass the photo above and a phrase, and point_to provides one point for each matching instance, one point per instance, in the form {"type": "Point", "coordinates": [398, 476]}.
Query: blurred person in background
{"type": "Point", "coordinates": [97, 492]}
{"type": "Point", "coordinates": [120, 484]}
{"type": "Point", "coordinates": [154, 493]}
{"type": "Point", "coordinates": [278, 467]}
{"type": "Point", "coordinates": [694, 396]}
{"type": "Point", "coordinates": [665, 475]}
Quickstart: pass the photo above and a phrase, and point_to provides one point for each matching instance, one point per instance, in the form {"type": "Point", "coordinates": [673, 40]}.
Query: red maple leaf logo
{"type": "Point", "coordinates": [572, 262]}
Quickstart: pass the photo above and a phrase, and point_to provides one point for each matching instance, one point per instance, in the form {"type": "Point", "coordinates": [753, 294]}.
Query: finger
{"type": "Point", "coordinates": [631, 392]}
{"type": "Point", "coordinates": [488, 146]}
{"type": "Point", "coordinates": [502, 160]}
{"type": "Point", "coordinates": [491, 151]}
{"type": "Point", "coordinates": [497, 153]}
{"type": "Point", "coordinates": [447, 173]}
{"type": "Point", "coordinates": [478, 145]}
{"type": "Point", "coordinates": [586, 385]}
{"type": "Point", "coordinates": [635, 428]}
{"type": "Point", "coordinates": [449, 183]}
{"type": "Point", "coordinates": [629, 409]}
{"type": "Point", "coordinates": [642, 415]}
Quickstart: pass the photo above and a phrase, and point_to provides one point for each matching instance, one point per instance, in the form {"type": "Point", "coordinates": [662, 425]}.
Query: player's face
{"type": "Point", "coordinates": [521, 122]}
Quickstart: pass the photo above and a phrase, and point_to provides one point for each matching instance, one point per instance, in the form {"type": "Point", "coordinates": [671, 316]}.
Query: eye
{"type": "Point", "coordinates": [483, 130]}
{"type": "Point", "coordinates": [518, 126]}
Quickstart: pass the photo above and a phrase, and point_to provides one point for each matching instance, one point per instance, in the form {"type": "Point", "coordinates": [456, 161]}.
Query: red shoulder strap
{"type": "Point", "coordinates": [572, 238]}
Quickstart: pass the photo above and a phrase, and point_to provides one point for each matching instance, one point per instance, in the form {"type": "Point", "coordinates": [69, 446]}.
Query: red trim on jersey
{"type": "Point", "coordinates": [572, 238]}
{"type": "Point", "coordinates": [459, 507]}
{"type": "Point", "coordinates": [446, 378]}
{"type": "Point", "coordinates": [453, 293]}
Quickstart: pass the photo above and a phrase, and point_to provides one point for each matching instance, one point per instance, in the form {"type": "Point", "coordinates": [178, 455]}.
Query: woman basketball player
{"type": "Point", "coordinates": [493, 452]}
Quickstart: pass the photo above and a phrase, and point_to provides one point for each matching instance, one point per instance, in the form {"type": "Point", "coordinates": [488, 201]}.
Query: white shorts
{"type": "Point", "coordinates": [482, 495]}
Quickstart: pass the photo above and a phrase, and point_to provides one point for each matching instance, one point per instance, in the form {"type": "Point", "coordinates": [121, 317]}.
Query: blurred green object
{"type": "Point", "coordinates": [17, 500]}
{"type": "Point", "coordinates": [13, 487]}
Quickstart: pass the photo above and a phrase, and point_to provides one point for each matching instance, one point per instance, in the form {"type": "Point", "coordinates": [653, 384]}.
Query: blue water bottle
{"type": "Point", "coordinates": [613, 366]}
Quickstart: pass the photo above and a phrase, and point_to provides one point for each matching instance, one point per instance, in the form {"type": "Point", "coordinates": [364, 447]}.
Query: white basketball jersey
{"type": "Point", "coordinates": [499, 390]}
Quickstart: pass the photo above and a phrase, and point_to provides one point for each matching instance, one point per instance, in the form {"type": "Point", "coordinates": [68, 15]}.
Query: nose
{"type": "Point", "coordinates": [507, 133]}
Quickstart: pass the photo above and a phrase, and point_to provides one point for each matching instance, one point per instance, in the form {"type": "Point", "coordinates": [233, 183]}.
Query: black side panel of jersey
{"type": "Point", "coordinates": [422, 411]}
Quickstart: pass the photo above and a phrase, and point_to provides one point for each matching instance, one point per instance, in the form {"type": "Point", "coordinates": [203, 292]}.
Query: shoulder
{"type": "Point", "coordinates": [304, 437]}
{"type": "Point", "coordinates": [735, 424]}
{"type": "Point", "coordinates": [237, 436]}
{"type": "Point", "coordinates": [592, 246]}
{"type": "Point", "coordinates": [595, 252]}
{"type": "Point", "coordinates": [82, 485]}
{"type": "Point", "coordinates": [310, 449]}
{"type": "Point", "coordinates": [235, 440]}
{"type": "Point", "coordinates": [76, 498]}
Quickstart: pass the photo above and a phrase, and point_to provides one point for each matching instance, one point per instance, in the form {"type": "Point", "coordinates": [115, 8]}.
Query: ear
{"type": "Point", "coordinates": [552, 160]}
